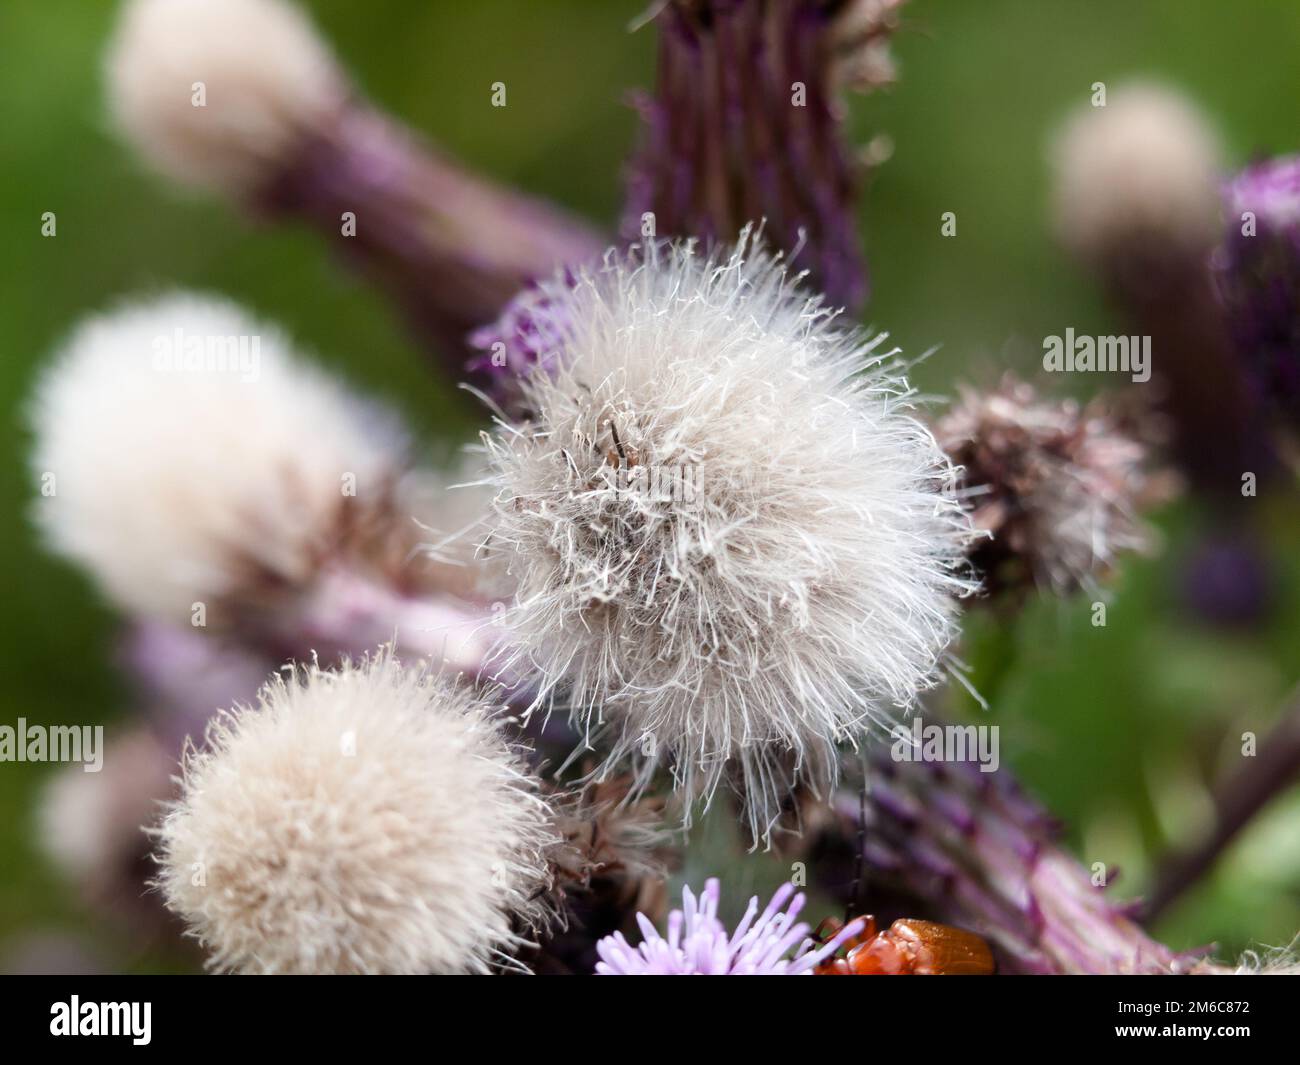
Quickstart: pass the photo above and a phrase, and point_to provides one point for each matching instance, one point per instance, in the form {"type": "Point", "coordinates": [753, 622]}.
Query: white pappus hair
{"type": "Point", "coordinates": [369, 820]}
{"type": "Point", "coordinates": [1142, 169]}
{"type": "Point", "coordinates": [265, 76]}
{"type": "Point", "coordinates": [735, 545]}
{"type": "Point", "coordinates": [179, 482]}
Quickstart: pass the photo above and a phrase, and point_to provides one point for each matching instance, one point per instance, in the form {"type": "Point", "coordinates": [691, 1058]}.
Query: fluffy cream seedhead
{"type": "Point", "coordinates": [369, 820]}
{"type": "Point", "coordinates": [735, 544]}
{"type": "Point", "coordinates": [184, 455]}
{"type": "Point", "coordinates": [1137, 177]}
{"type": "Point", "coordinates": [217, 93]}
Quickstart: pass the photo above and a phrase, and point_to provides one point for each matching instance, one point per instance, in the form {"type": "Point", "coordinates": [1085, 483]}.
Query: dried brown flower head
{"type": "Point", "coordinates": [1055, 485]}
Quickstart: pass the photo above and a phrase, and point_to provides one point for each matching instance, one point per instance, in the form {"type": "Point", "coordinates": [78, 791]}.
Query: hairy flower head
{"type": "Point", "coordinates": [369, 820]}
{"type": "Point", "coordinates": [735, 544]}
{"type": "Point", "coordinates": [1136, 178]}
{"type": "Point", "coordinates": [186, 457]}
{"type": "Point", "coordinates": [216, 93]}
{"type": "Point", "coordinates": [1056, 486]}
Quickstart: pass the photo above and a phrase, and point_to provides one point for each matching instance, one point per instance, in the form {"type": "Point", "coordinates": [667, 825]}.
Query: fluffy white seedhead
{"type": "Point", "coordinates": [185, 456]}
{"type": "Point", "coordinates": [1145, 168]}
{"type": "Point", "coordinates": [734, 543]}
{"type": "Point", "coordinates": [215, 93]}
{"type": "Point", "coordinates": [370, 820]}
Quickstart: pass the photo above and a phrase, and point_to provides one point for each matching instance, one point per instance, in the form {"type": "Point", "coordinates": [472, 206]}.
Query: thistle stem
{"type": "Point", "coordinates": [745, 125]}
{"type": "Point", "coordinates": [973, 851]}
{"type": "Point", "coordinates": [448, 246]}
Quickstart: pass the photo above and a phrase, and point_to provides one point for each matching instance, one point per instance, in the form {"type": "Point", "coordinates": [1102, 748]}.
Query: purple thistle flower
{"type": "Point", "coordinates": [698, 944]}
{"type": "Point", "coordinates": [530, 332]}
{"type": "Point", "coordinates": [1258, 273]}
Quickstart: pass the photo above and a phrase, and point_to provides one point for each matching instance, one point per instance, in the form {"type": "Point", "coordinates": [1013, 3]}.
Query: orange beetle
{"type": "Point", "coordinates": [907, 948]}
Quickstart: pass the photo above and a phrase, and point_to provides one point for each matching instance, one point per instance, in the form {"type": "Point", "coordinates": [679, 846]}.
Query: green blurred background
{"type": "Point", "coordinates": [1118, 729]}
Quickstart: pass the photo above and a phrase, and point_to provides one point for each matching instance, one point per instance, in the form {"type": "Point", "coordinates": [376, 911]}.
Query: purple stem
{"type": "Point", "coordinates": [449, 247]}
{"type": "Point", "coordinates": [980, 855]}
{"type": "Point", "coordinates": [745, 124]}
